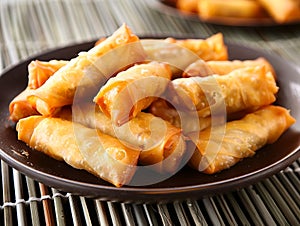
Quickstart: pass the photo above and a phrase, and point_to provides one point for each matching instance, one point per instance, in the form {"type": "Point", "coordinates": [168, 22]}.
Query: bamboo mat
{"type": "Point", "coordinates": [28, 27]}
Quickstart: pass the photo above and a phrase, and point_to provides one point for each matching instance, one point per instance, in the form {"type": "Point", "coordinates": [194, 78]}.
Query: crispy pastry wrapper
{"type": "Point", "coordinates": [237, 90]}
{"type": "Point", "coordinates": [222, 147]}
{"type": "Point", "coordinates": [212, 48]}
{"type": "Point", "coordinates": [154, 137]}
{"type": "Point", "coordinates": [83, 75]}
{"type": "Point", "coordinates": [19, 107]}
{"type": "Point", "coordinates": [81, 147]}
{"type": "Point", "coordinates": [181, 53]}
{"type": "Point", "coordinates": [38, 73]}
{"type": "Point", "coordinates": [202, 68]}
{"type": "Point", "coordinates": [133, 90]}
{"type": "Point", "coordinates": [225, 67]}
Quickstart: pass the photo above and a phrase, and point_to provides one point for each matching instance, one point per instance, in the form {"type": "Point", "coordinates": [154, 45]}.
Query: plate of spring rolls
{"type": "Point", "coordinates": [171, 119]}
{"type": "Point", "coordinates": [234, 12]}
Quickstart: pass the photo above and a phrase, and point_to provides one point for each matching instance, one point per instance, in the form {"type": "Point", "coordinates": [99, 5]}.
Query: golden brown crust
{"type": "Point", "coordinates": [202, 68]}
{"type": "Point", "coordinates": [133, 90]}
{"type": "Point", "coordinates": [40, 71]}
{"type": "Point", "coordinates": [212, 48]}
{"type": "Point", "coordinates": [225, 67]}
{"type": "Point", "coordinates": [221, 147]}
{"type": "Point", "coordinates": [147, 133]}
{"type": "Point", "coordinates": [38, 74]}
{"type": "Point", "coordinates": [80, 147]}
{"type": "Point", "coordinates": [19, 107]}
{"type": "Point", "coordinates": [83, 71]}
{"type": "Point", "coordinates": [237, 90]}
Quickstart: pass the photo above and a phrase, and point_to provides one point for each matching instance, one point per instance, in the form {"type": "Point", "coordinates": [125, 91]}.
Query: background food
{"type": "Point", "coordinates": [281, 11]}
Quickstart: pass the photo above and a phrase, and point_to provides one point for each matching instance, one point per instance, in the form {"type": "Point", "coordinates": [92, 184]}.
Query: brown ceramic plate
{"type": "Point", "coordinates": [169, 7]}
{"type": "Point", "coordinates": [187, 183]}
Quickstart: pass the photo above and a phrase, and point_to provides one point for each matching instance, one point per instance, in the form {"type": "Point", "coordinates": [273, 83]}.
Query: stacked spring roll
{"type": "Point", "coordinates": [88, 149]}
{"type": "Point", "coordinates": [223, 146]}
{"type": "Point", "coordinates": [87, 71]}
{"type": "Point", "coordinates": [38, 73]}
{"type": "Point", "coordinates": [242, 89]}
{"type": "Point", "coordinates": [111, 118]}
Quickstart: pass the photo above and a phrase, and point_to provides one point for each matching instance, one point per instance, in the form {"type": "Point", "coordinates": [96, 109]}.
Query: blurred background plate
{"type": "Point", "coordinates": [187, 183]}
{"type": "Point", "coordinates": [169, 7]}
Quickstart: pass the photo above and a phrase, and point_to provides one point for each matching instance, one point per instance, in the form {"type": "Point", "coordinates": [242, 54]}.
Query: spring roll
{"type": "Point", "coordinates": [212, 48]}
{"type": "Point", "coordinates": [132, 90]}
{"type": "Point", "coordinates": [87, 149]}
{"type": "Point", "coordinates": [222, 147]}
{"type": "Point", "coordinates": [38, 73]}
{"type": "Point", "coordinates": [19, 107]}
{"type": "Point", "coordinates": [242, 89]}
{"type": "Point", "coordinates": [203, 69]}
{"type": "Point", "coordinates": [225, 67]}
{"type": "Point", "coordinates": [181, 53]}
{"type": "Point", "coordinates": [83, 75]}
{"type": "Point", "coordinates": [282, 11]}
{"type": "Point", "coordinates": [151, 135]}
{"type": "Point", "coordinates": [209, 9]}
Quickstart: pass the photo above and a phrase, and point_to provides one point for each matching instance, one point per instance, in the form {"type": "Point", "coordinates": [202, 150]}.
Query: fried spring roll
{"type": "Point", "coordinates": [242, 89]}
{"type": "Point", "coordinates": [222, 147]}
{"type": "Point", "coordinates": [282, 11]}
{"type": "Point", "coordinates": [187, 5]}
{"type": "Point", "coordinates": [225, 67]}
{"type": "Point", "coordinates": [212, 48]}
{"type": "Point", "coordinates": [19, 107]}
{"type": "Point", "coordinates": [209, 9]}
{"type": "Point", "coordinates": [202, 69]}
{"type": "Point", "coordinates": [88, 149]}
{"type": "Point", "coordinates": [133, 90]}
{"type": "Point", "coordinates": [41, 71]}
{"type": "Point", "coordinates": [154, 137]}
{"type": "Point", "coordinates": [38, 73]}
{"type": "Point", "coordinates": [181, 53]}
{"type": "Point", "coordinates": [83, 75]}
